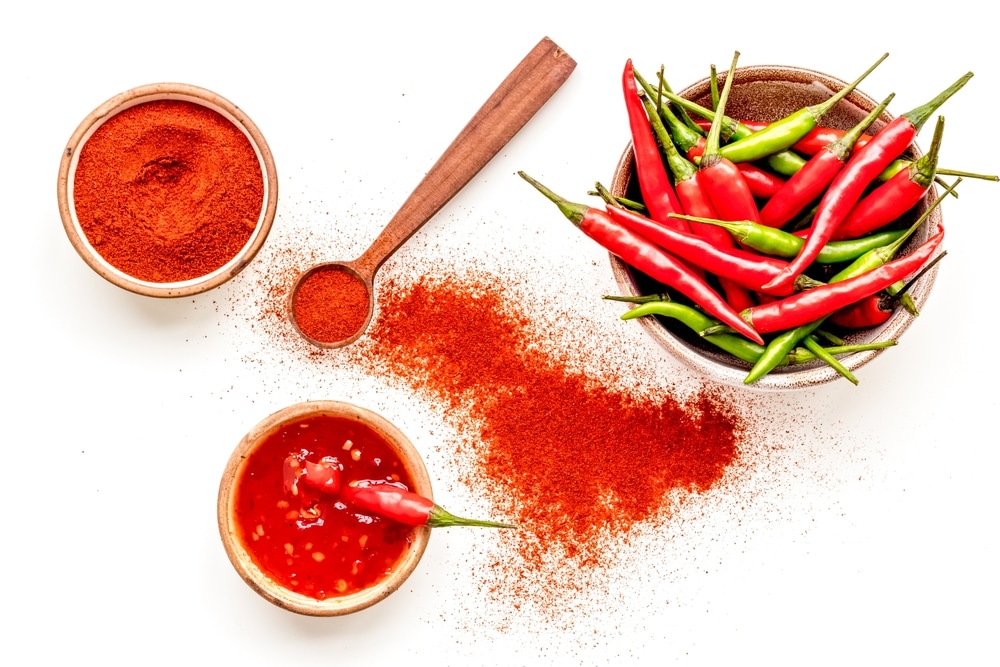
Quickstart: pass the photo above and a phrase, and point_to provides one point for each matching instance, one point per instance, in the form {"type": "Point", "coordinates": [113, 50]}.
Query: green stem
{"type": "Point", "coordinates": [574, 212]}
{"type": "Point", "coordinates": [919, 116]}
{"type": "Point", "coordinates": [813, 346]}
{"type": "Point", "coordinates": [922, 171]}
{"type": "Point", "coordinates": [712, 141]}
{"type": "Point", "coordinates": [819, 110]}
{"type": "Point", "coordinates": [442, 518]}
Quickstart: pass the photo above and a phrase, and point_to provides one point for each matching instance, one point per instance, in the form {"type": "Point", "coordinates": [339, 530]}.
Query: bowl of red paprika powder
{"type": "Point", "coordinates": [167, 190]}
{"type": "Point", "coordinates": [765, 94]}
{"type": "Point", "coordinates": [311, 550]}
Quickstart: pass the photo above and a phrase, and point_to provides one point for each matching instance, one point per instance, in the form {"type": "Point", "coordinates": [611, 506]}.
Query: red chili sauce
{"type": "Point", "coordinates": [310, 542]}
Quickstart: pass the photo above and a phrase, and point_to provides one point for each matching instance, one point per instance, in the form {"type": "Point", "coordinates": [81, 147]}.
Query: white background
{"type": "Point", "coordinates": [859, 527]}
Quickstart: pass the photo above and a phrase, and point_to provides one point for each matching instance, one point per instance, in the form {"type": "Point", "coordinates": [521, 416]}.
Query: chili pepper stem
{"type": "Point", "coordinates": [819, 110]}
{"type": "Point", "coordinates": [442, 518]}
{"type": "Point", "coordinates": [968, 174]}
{"type": "Point", "coordinates": [573, 211]}
{"type": "Point", "coordinates": [646, 298]}
{"type": "Point", "coordinates": [712, 140]}
{"type": "Point", "coordinates": [919, 115]}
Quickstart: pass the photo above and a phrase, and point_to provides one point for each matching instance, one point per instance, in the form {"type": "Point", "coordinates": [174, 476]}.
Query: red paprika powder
{"type": "Point", "coordinates": [330, 305]}
{"type": "Point", "coordinates": [568, 459]}
{"type": "Point", "coordinates": [168, 191]}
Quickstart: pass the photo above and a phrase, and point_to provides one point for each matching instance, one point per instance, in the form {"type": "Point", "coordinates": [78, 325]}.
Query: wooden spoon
{"type": "Point", "coordinates": [511, 105]}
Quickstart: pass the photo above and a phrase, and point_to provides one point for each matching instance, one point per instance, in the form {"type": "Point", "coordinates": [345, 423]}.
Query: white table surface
{"type": "Point", "coordinates": [859, 526]}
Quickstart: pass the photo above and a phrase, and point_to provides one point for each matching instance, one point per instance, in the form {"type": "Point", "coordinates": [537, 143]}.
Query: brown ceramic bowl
{"type": "Point", "coordinates": [152, 93]}
{"type": "Point", "coordinates": [768, 93]}
{"type": "Point", "coordinates": [244, 563]}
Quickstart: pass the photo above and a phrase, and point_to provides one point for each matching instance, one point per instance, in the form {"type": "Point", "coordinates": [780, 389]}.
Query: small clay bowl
{"type": "Point", "coordinates": [244, 563]}
{"type": "Point", "coordinates": [768, 93]}
{"type": "Point", "coordinates": [152, 93]}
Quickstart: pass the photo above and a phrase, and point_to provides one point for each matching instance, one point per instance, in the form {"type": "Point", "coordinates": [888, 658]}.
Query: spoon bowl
{"type": "Point", "coordinates": [355, 303]}
{"type": "Point", "coordinates": [535, 79]}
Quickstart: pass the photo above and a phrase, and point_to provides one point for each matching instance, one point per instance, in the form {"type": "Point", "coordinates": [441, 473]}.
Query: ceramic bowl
{"type": "Point", "coordinates": [244, 563]}
{"type": "Point", "coordinates": [85, 246]}
{"type": "Point", "coordinates": [767, 93]}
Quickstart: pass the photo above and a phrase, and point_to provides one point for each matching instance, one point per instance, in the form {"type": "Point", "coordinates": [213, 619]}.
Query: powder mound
{"type": "Point", "coordinates": [572, 461]}
{"type": "Point", "coordinates": [168, 191]}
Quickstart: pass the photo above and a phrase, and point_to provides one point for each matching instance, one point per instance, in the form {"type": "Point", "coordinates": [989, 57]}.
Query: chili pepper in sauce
{"type": "Point", "coordinates": [808, 184]}
{"type": "Point", "coordinates": [718, 176]}
{"type": "Point", "coordinates": [323, 476]}
{"type": "Point", "coordinates": [818, 302]}
{"type": "Point", "coordinates": [779, 243]}
{"type": "Point", "coordinates": [860, 170]}
{"type": "Point", "coordinates": [404, 506]}
{"type": "Point", "coordinates": [645, 256]}
{"type": "Point", "coordinates": [896, 196]}
{"type": "Point", "coordinates": [784, 133]}
{"type": "Point", "coordinates": [657, 192]}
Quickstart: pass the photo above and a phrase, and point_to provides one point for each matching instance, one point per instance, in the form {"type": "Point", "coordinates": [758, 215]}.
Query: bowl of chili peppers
{"type": "Point", "coordinates": [781, 237]}
{"type": "Point", "coordinates": [325, 508]}
{"type": "Point", "coordinates": [167, 190]}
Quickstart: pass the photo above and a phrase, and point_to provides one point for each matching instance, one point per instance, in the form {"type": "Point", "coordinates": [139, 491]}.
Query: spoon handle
{"type": "Point", "coordinates": [511, 105]}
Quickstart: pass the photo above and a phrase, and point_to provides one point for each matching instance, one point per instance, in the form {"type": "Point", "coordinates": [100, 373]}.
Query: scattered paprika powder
{"type": "Point", "coordinates": [568, 459]}
{"type": "Point", "coordinates": [168, 191]}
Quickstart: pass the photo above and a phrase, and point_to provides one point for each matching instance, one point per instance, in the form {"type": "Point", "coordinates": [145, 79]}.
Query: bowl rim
{"type": "Point", "coordinates": [240, 558]}
{"type": "Point", "coordinates": [150, 93]}
{"type": "Point", "coordinates": [806, 375]}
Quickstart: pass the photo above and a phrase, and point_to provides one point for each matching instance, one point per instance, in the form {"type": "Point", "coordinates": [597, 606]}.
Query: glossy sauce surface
{"type": "Point", "coordinates": [310, 542]}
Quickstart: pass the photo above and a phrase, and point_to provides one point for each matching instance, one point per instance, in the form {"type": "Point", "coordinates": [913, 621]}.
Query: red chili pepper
{"type": "Point", "coordinates": [691, 197]}
{"type": "Point", "coordinates": [878, 308]}
{"type": "Point", "coordinates": [406, 507]}
{"type": "Point", "coordinates": [746, 268]}
{"type": "Point", "coordinates": [643, 255]}
{"type": "Point", "coordinates": [861, 169]}
{"type": "Point", "coordinates": [657, 192]}
{"type": "Point", "coordinates": [869, 312]}
{"type": "Point", "coordinates": [718, 176]}
{"type": "Point", "coordinates": [763, 184]}
{"type": "Point", "coordinates": [323, 476]}
{"type": "Point", "coordinates": [894, 197]}
{"type": "Point", "coordinates": [818, 302]}
{"type": "Point", "coordinates": [809, 182]}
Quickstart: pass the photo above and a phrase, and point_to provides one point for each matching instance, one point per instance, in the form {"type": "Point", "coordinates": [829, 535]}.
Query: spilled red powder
{"type": "Point", "coordinates": [570, 460]}
{"type": "Point", "coordinates": [330, 305]}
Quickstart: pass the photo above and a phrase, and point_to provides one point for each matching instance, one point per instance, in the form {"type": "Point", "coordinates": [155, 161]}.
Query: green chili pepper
{"type": "Point", "coordinates": [779, 243]}
{"type": "Point", "coordinates": [734, 344]}
{"type": "Point", "coordinates": [783, 134]}
{"type": "Point", "coordinates": [784, 162]}
{"type": "Point", "coordinates": [822, 353]}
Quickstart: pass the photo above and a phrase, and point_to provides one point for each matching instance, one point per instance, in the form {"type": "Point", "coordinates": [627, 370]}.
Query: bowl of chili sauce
{"type": "Point", "coordinates": [766, 93]}
{"type": "Point", "coordinates": [167, 190]}
{"type": "Point", "coordinates": [306, 550]}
